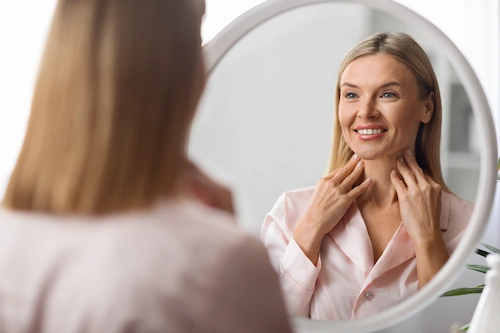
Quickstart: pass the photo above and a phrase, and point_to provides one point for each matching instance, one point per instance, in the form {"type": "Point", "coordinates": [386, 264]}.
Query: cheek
{"type": "Point", "coordinates": [344, 120]}
{"type": "Point", "coordinates": [405, 117]}
{"type": "Point", "coordinates": [407, 126]}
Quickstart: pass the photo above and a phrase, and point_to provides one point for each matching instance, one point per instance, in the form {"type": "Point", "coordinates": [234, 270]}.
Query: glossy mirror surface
{"type": "Point", "coordinates": [264, 124]}
{"type": "Point", "coordinates": [265, 121]}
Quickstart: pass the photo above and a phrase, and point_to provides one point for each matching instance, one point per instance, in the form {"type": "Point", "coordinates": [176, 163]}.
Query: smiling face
{"type": "Point", "coordinates": [380, 107]}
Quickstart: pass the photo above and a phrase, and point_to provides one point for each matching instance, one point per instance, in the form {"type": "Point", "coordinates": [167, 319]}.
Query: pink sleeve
{"type": "Point", "coordinates": [296, 272]}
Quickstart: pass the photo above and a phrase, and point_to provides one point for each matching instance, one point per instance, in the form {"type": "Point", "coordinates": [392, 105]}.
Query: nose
{"type": "Point", "coordinates": [367, 109]}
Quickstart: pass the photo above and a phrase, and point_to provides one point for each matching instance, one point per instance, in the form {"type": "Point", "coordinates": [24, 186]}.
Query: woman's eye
{"type": "Point", "coordinates": [388, 95]}
{"type": "Point", "coordinates": [351, 95]}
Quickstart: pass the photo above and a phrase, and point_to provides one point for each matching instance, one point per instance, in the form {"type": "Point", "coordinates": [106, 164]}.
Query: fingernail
{"type": "Point", "coordinates": [368, 180]}
{"type": "Point", "coordinates": [355, 157]}
{"type": "Point", "coordinates": [401, 160]}
{"type": "Point", "coordinates": [393, 172]}
{"type": "Point", "coordinates": [360, 163]}
{"type": "Point", "coordinates": [408, 152]}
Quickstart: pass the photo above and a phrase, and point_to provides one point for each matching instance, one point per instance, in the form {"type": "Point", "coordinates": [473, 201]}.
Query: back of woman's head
{"type": "Point", "coordinates": [117, 89]}
{"type": "Point", "coordinates": [406, 50]}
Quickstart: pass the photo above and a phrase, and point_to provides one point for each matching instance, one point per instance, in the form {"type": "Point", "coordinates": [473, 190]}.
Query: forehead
{"type": "Point", "coordinates": [376, 70]}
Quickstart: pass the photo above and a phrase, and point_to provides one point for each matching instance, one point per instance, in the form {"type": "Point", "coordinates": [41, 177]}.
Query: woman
{"type": "Point", "coordinates": [103, 227]}
{"type": "Point", "coordinates": [382, 222]}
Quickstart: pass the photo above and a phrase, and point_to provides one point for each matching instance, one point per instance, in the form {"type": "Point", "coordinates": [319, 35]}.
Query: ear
{"type": "Point", "coordinates": [428, 108]}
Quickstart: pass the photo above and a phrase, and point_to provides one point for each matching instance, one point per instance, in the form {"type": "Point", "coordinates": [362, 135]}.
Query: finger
{"type": "Point", "coordinates": [192, 169]}
{"type": "Point", "coordinates": [438, 190]}
{"type": "Point", "coordinates": [196, 175]}
{"type": "Point", "coordinates": [433, 183]}
{"type": "Point", "coordinates": [414, 167]}
{"type": "Point", "coordinates": [360, 189]}
{"type": "Point", "coordinates": [199, 177]}
{"type": "Point", "coordinates": [351, 179]}
{"type": "Point", "coordinates": [201, 192]}
{"type": "Point", "coordinates": [332, 174]}
{"type": "Point", "coordinates": [398, 183]}
{"type": "Point", "coordinates": [430, 180]}
{"type": "Point", "coordinates": [345, 171]}
{"type": "Point", "coordinates": [406, 173]}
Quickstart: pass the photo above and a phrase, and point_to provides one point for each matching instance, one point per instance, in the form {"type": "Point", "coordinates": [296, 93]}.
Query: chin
{"type": "Point", "coordinates": [368, 157]}
{"type": "Point", "coordinates": [370, 154]}
{"type": "Point", "coordinates": [367, 154]}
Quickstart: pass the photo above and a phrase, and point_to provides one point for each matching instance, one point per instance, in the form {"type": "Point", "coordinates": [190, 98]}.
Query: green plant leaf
{"type": "Point", "coordinates": [464, 328]}
{"type": "Point", "coordinates": [491, 248]}
{"type": "Point", "coordinates": [478, 268]}
{"type": "Point", "coordinates": [482, 252]}
{"type": "Point", "coordinates": [463, 291]}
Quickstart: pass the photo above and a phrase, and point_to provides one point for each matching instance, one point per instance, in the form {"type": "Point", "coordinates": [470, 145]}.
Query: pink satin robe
{"type": "Point", "coordinates": [346, 284]}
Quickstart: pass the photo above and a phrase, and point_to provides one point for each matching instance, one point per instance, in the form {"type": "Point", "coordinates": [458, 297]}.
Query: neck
{"type": "Point", "coordinates": [381, 192]}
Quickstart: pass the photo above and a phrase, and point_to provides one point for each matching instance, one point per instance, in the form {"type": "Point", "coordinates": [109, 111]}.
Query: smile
{"type": "Point", "coordinates": [370, 131]}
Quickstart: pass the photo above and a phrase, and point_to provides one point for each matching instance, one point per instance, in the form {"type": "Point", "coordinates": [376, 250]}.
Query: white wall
{"type": "Point", "coordinates": [23, 26]}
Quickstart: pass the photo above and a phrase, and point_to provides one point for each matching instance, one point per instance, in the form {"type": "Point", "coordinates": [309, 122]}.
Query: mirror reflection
{"type": "Point", "coordinates": [335, 237]}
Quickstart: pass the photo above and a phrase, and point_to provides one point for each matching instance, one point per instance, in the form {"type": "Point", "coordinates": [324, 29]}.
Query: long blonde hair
{"type": "Point", "coordinates": [116, 92]}
{"type": "Point", "coordinates": [406, 50]}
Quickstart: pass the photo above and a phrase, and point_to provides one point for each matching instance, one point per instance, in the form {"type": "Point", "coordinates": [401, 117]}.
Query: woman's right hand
{"type": "Point", "coordinates": [331, 198]}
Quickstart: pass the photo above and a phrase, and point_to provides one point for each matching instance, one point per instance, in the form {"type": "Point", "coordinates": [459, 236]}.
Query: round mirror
{"type": "Point", "coordinates": [264, 125]}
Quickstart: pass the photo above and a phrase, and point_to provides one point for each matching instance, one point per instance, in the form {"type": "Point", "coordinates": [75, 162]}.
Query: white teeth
{"type": "Point", "coordinates": [369, 131]}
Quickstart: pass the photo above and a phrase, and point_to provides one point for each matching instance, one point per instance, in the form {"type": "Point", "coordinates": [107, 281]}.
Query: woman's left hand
{"type": "Point", "coordinates": [419, 200]}
{"type": "Point", "coordinates": [420, 208]}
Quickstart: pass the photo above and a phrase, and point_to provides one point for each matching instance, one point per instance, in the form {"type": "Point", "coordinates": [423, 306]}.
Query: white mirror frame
{"type": "Point", "coordinates": [239, 28]}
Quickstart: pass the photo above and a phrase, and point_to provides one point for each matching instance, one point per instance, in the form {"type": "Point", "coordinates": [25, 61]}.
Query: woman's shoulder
{"type": "Point", "coordinates": [455, 212]}
{"type": "Point", "coordinates": [289, 208]}
{"type": "Point", "coordinates": [456, 206]}
{"type": "Point", "coordinates": [190, 236]}
{"type": "Point", "coordinates": [185, 231]}
{"type": "Point", "coordinates": [455, 199]}
{"type": "Point", "coordinates": [167, 217]}
{"type": "Point", "coordinates": [296, 198]}
{"type": "Point", "coordinates": [189, 225]}
{"type": "Point", "coordinates": [301, 192]}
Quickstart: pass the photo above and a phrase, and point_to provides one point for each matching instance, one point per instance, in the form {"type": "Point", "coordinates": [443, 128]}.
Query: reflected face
{"type": "Point", "coordinates": [380, 108]}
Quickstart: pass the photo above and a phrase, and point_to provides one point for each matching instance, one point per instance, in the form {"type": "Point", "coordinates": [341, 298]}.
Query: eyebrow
{"type": "Point", "coordinates": [385, 85]}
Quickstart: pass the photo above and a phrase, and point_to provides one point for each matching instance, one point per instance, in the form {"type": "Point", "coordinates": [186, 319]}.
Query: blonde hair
{"type": "Point", "coordinates": [404, 49]}
{"type": "Point", "coordinates": [116, 92]}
